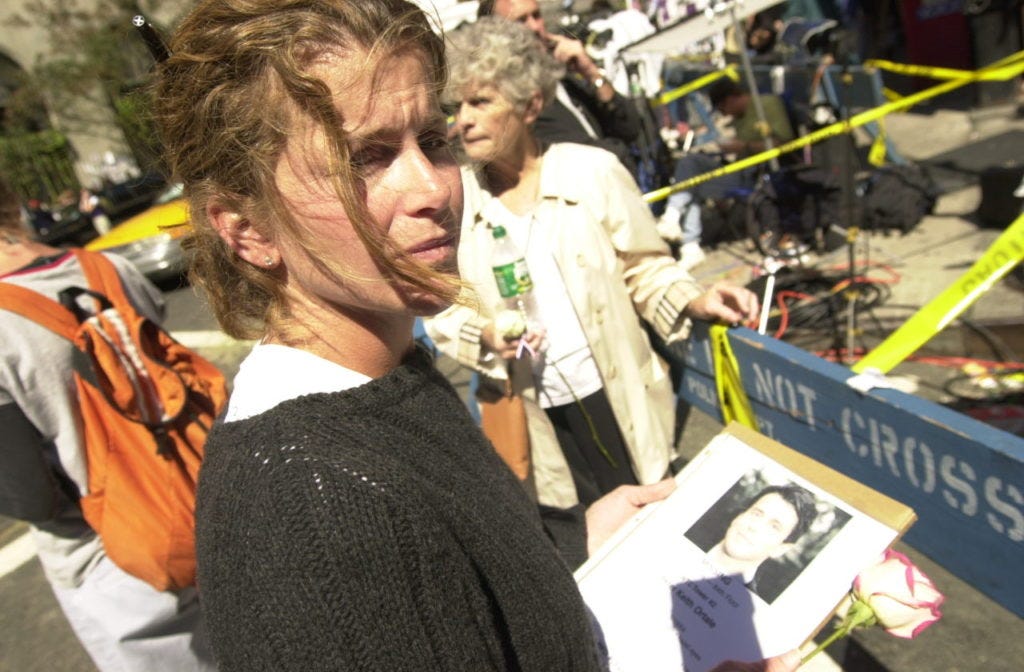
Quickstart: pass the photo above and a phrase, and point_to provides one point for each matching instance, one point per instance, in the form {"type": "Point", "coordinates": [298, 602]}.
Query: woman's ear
{"type": "Point", "coordinates": [533, 107]}
{"type": "Point", "coordinates": [241, 236]}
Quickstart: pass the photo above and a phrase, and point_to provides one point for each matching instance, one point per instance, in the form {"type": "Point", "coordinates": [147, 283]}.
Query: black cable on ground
{"type": "Point", "coordinates": [811, 308]}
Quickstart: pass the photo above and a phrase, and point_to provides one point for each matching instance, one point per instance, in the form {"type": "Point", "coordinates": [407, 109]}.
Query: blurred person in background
{"type": "Point", "coordinates": [585, 108]}
{"type": "Point", "coordinates": [124, 624]}
{"type": "Point", "coordinates": [599, 401]}
{"type": "Point", "coordinates": [90, 206]}
{"type": "Point", "coordinates": [682, 218]}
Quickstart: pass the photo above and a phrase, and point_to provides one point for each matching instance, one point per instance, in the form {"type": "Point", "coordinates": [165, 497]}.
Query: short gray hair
{"type": "Point", "coordinates": [504, 54]}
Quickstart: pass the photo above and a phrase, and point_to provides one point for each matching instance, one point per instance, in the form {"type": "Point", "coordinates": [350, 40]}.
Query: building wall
{"type": "Point", "coordinates": [25, 44]}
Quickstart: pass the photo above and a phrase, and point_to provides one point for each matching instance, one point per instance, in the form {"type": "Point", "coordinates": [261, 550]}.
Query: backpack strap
{"type": "Point", "coordinates": [102, 276]}
{"type": "Point", "coordinates": [38, 308]}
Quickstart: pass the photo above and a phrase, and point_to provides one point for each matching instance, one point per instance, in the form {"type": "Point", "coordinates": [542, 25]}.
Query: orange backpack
{"type": "Point", "coordinates": [147, 404]}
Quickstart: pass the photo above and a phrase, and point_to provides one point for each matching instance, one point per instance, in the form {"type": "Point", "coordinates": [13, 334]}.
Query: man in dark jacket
{"type": "Point", "coordinates": [586, 110]}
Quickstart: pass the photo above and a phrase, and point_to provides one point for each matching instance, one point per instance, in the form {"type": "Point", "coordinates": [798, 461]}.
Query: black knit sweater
{"type": "Point", "coordinates": [375, 529]}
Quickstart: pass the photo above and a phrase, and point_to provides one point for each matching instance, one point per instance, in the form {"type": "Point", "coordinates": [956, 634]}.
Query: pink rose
{"type": "Point", "coordinates": [893, 594]}
{"type": "Point", "coordinates": [903, 599]}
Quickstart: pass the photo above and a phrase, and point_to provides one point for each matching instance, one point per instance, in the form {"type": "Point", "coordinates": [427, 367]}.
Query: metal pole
{"type": "Point", "coordinates": [771, 266]}
{"type": "Point", "coordinates": [849, 214]}
{"type": "Point", "coordinates": [748, 73]}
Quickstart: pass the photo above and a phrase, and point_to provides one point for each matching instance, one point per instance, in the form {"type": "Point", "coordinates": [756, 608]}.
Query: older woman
{"type": "Point", "coordinates": [350, 515]}
{"type": "Point", "coordinates": [598, 268]}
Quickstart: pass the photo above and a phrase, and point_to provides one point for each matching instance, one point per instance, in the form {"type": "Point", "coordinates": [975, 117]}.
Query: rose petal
{"type": "Point", "coordinates": [903, 598]}
{"type": "Point", "coordinates": [903, 620]}
{"type": "Point", "coordinates": [935, 615]}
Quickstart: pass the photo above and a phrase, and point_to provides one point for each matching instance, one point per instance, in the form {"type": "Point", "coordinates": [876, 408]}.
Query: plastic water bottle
{"type": "Point", "coordinates": [512, 274]}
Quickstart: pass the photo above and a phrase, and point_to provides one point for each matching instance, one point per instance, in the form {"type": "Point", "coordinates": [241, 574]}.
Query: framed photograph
{"type": "Point", "coordinates": [747, 559]}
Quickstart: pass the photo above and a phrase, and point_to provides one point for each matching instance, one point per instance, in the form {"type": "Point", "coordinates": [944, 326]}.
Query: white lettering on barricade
{"type": "Point", "coordinates": [884, 442]}
{"type": "Point", "coordinates": [993, 486]}
{"type": "Point", "coordinates": [958, 477]}
{"type": "Point", "coordinates": [703, 391]}
{"type": "Point", "coordinates": [913, 452]}
{"type": "Point", "coordinates": [697, 354]}
{"type": "Point", "coordinates": [780, 392]}
{"type": "Point", "coordinates": [948, 468]}
{"type": "Point", "coordinates": [964, 479]}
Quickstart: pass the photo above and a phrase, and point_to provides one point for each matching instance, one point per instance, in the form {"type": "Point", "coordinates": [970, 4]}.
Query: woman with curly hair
{"type": "Point", "coordinates": [598, 400]}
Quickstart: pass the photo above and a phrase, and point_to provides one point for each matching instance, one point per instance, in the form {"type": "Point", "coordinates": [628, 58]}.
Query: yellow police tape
{"type": "Point", "coordinates": [1005, 253]}
{"type": "Point", "coordinates": [878, 151]}
{"type": "Point", "coordinates": [998, 71]}
{"type": "Point", "coordinates": [675, 94]}
{"type": "Point", "coordinates": [890, 95]}
{"type": "Point", "coordinates": [1006, 68]}
{"type": "Point", "coordinates": [926, 70]}
{"type": "Point", "coordinates": [731, 396]}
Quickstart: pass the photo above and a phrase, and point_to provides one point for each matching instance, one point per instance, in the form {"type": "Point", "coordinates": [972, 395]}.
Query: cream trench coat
{"type": "Point", "coordinates": [615, 267]}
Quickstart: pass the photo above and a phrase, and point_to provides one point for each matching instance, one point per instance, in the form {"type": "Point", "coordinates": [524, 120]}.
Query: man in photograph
{"type": "Point", "coordinates": [766, 528]}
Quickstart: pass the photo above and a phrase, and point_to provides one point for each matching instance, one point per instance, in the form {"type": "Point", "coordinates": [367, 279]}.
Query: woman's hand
{"type": "Point", "coordinates": [507, 348]}
{"type": "Point", "coordinates": [608, 514]}
{"type": "Point", "coordinates": [724, 302]}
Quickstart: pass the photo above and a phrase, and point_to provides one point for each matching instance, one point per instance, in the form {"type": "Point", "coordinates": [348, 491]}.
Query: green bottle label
{"type": "Point", "coordinates": [513, 279]}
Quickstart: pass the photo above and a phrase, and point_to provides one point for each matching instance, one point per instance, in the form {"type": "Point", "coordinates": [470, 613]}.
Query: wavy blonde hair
{"type": "Point", "coordinates": [503, 54]}
{"type": "Point", "coordinates": [225, 102]}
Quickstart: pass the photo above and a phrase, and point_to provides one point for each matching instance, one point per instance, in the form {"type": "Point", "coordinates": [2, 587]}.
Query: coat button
{"type": "Point", "coordinates": [612, 371]}
{"type": "Point", "coordinates": [581, 260]}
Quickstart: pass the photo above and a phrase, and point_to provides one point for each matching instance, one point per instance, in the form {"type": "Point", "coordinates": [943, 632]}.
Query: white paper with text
{"type": "Point", "coordinates": [658, 601]}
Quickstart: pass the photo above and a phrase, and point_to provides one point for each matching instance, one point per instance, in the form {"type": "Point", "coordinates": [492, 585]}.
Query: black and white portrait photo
{"type": "Point", "coordinates": [765, 532]}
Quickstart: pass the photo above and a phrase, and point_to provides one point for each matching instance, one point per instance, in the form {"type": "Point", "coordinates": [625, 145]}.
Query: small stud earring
{"type": "Point", "coordinates": [267, 261]}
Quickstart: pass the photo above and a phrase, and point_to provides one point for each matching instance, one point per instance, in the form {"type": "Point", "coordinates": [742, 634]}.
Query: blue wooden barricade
{"type": "Point", "coordinates": [964, 479]}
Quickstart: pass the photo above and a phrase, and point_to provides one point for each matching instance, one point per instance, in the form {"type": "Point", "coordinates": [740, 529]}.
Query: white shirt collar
{"type": "Point", "coordinates": [271, 374]}
{"type": "Point", "coordinates": [563, 97]}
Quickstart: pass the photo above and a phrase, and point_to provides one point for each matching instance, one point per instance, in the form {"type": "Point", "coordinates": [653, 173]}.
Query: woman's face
{"type": "Point", "coordinates": [490, 126]}
{"type": "Point", "coordinates": [409, 182]}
